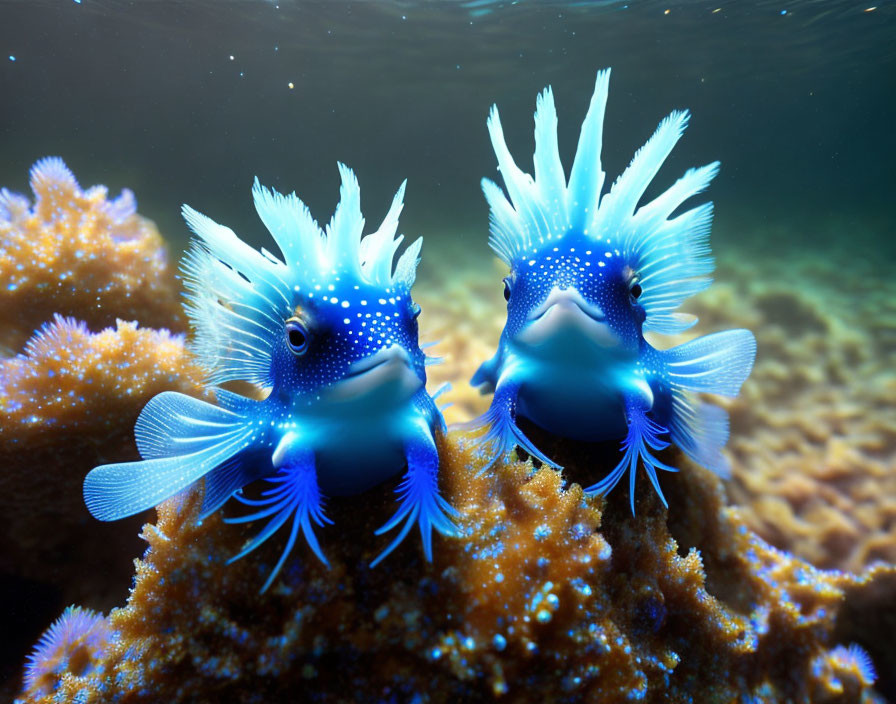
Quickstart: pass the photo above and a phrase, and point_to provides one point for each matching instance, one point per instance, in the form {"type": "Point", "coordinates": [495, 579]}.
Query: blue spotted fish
{"type": "Point", "coordinates": [330, 332]}
{"type": "Point", "coordinates": [590, 273]}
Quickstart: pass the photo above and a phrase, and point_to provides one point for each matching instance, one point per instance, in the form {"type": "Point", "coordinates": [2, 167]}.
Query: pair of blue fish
{"type": "Point", "coordinates": [330, 330]}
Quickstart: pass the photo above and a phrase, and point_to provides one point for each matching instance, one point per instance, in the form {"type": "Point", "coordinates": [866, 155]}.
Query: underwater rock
{"type": "Point", "coordinates": [545, 596]}
{"type": "Point", "coordinates": [75, 252]}
{"type": "Point", "coordinates": [67, 402]}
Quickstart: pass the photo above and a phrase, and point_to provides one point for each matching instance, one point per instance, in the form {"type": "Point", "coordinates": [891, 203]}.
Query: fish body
{"type": "Point", "coordinates": [330, 332]}
{"type": "Point", "coordinates": [590, 273]}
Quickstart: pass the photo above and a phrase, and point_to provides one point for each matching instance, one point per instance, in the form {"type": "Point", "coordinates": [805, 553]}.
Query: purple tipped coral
{"type": "Point", "coordinates": [74, 644]}
{"type": "Point", "coordinates": [856, 657]}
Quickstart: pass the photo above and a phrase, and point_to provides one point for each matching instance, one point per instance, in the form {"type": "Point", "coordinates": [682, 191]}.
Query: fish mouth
{"type": "Point", "coordinates": [563, 313]}
{"type": "Point", "coordinates": [567, 298]}
{"type": "Point", "coordinates": [389, 370]}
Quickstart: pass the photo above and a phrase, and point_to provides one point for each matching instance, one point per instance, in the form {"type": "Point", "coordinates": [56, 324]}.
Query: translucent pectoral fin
{"type": "Point", "coordinates": [419, 498]}
{"type": "Point", "coordinates": [227, 478]}
{"type": "Point", "coordinates": [174, 424]}
{"type": "Point", "coordinates": [503, 433]}
{"type": "Point", "coordinates": [701, 431]}
{"type": "Point", "coordinates": [718, 363]}
{"type": "Point", "coordinates": [486, 376]}
{"type": "Point", "coordinates": [198, 438]}
{"type": "Point", "coordinates": [293, 494]}
{"type": "Point", "coordinates": [642, 437]}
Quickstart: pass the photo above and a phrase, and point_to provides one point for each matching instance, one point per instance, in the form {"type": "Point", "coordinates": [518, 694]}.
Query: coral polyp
{"type": "Point", "coordinates": [73, 646]}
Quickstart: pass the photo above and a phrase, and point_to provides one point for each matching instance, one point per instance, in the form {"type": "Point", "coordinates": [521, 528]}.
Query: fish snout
{"type": "Point", "coordinates": [567, 298]}
{"type": "Point", "coordinates": [566, 318]}
{"type": "Point", "coordinates": [388, 371]}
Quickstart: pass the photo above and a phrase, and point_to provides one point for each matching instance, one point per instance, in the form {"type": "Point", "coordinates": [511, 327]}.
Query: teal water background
{"type": "Point", "coordinates": [188, 101]}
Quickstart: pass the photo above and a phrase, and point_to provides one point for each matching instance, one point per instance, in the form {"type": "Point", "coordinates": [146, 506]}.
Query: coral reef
{"type": "Point", "coordinates": [75, 252]}
{"type": "Point", "coordinates": [814, 438]}
{"type": "Point", "coordinates": [546, 596]}
{"type": "Point", "coordinates": [68, 401]}
{"type": "Point", "coordinates": [69, 647]}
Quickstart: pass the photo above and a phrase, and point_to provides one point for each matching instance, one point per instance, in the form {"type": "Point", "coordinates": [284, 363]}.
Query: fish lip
{"type": "Point", "coordinates": [567, 298]}
{"type": "Point", "coordinates": [563, 313]}
{"type": "Point", "coordinates": [387, 375]}
{"type": "Point", "coordinates": [393, 353]}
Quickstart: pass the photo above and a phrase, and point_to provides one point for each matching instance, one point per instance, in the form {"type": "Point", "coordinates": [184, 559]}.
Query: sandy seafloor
{"type": "Point", "coordinates": [813, 433]}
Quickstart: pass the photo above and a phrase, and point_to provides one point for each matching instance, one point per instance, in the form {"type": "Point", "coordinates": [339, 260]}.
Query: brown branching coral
{"type": "Point", "coordinates": [74, 252]}
{"type": "Point", "coordinates": [70, 399]}
{"type": "Point", "coordinates": [69, 402]}
{"type": "Point", "coordinates": [545, 596]}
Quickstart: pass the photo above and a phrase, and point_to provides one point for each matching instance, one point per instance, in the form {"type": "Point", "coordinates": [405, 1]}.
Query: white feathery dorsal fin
{"type": "Point", "coordinates": [504, 223]}
{"type": "Point", "coordinates": [289, 221]}
{"type": "Point", "coordinates": [520, 186]}
{"type": "Point", "coordinates": [377, 250]}
{"type": "Point", "coordinates": [672, 256]}
{"type": "Point", "coordinates": [693, 182]}
{"type": "Point", "coordinates": [406, 268]}
{"type": "Point", "coordinates": [586, 178]}
{"type": "Point", "coordinates": [346, 225]}
{"type": "Point", "coordinates": [221, 241]}
{"type": "Point", "coordinates": [620, 203]}
{"type": "Point", "coordinates": [549, 177]}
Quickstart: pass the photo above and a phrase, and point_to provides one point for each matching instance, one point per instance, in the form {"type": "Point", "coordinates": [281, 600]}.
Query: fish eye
{"type": "Point", "coordinates": [506, 289]}
{"type": "Point", "coordinates": [634, 287]}
{"type": "Point", "coordinates": [296, 336]}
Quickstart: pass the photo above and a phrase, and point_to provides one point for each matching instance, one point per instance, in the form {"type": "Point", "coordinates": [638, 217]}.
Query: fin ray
{"type": "Point", "coordinates": [718, 363]}
{"type": "Point", "coordinates": [114, 491]}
